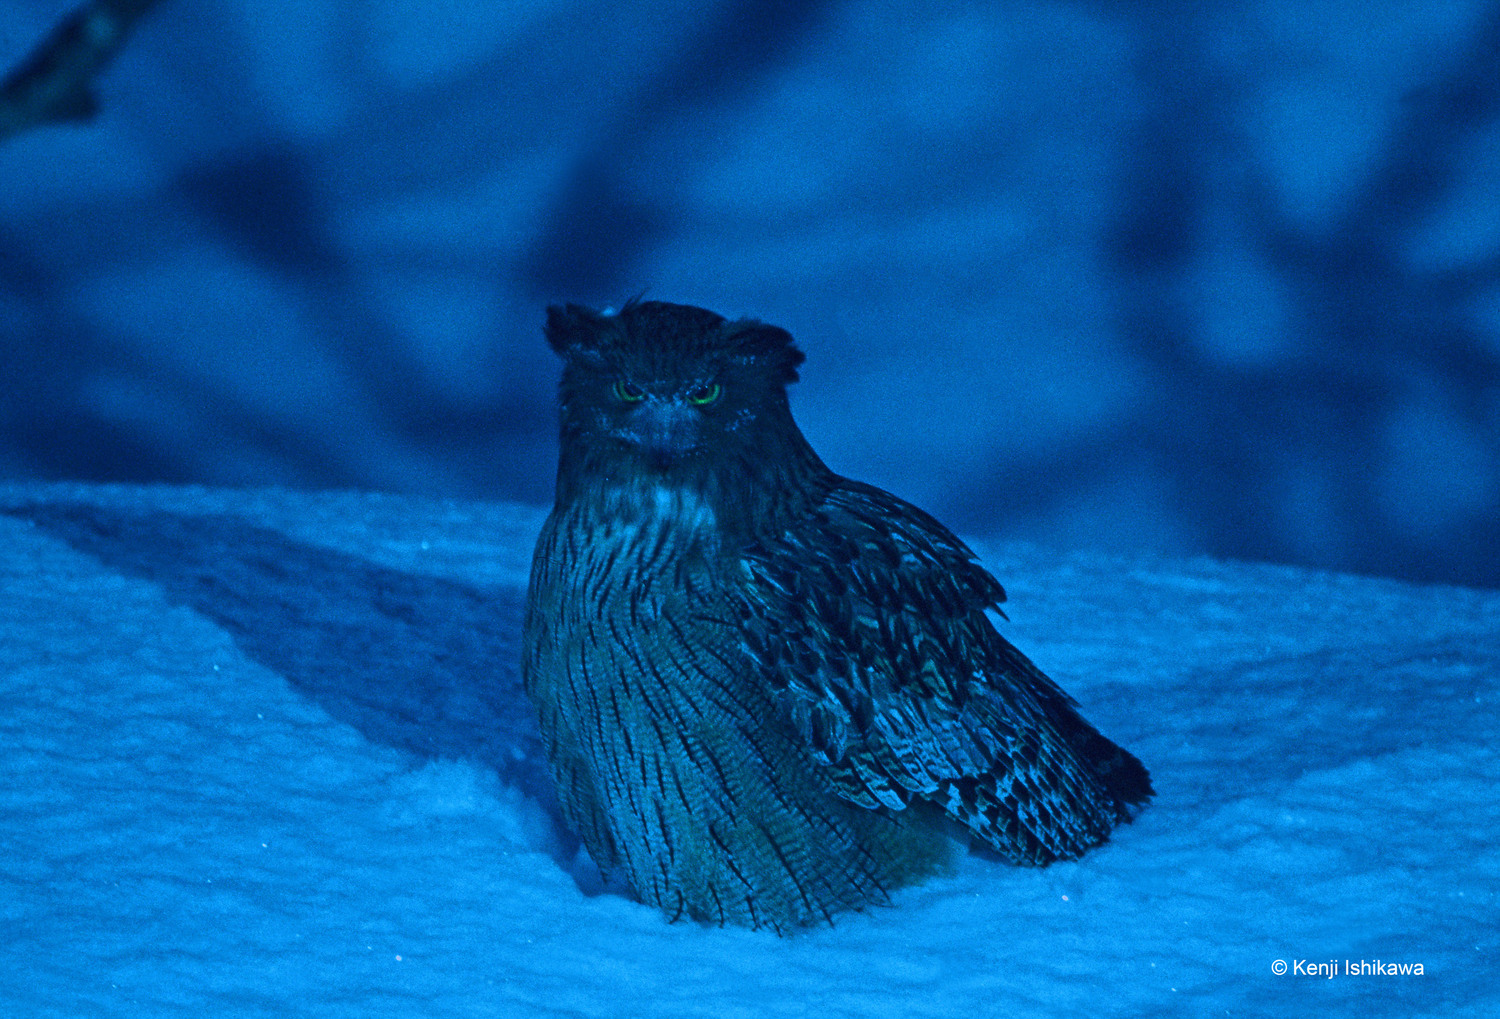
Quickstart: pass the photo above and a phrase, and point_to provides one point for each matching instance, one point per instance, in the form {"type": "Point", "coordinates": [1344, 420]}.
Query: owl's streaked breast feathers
{"type": "Point", "coordinates": [758, 681]}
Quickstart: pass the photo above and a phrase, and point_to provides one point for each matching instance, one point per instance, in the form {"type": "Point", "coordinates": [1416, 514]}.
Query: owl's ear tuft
{"type": "Point", "coordinates": [573, 329]}
{"type": "Point", "coordinates": [769, 345]}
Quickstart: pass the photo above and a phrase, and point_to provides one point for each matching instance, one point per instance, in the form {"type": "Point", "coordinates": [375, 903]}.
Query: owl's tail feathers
{"type": "Point", "coordinates": [1053, 795]}
{"type": "Point", "coordinates": [1102, 782]}
{"type": "Point", "coordinates": [1121, 773]}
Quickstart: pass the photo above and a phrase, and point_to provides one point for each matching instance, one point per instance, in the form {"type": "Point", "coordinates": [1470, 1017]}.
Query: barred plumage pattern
{"type": "Point", "coordinates": [870, 622]}
{"type": "Point", "coordinates": [762, 686]}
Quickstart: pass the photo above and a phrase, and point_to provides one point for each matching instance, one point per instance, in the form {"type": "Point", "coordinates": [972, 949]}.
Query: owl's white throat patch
{"type": "Point", "coordinates": [648, 501]}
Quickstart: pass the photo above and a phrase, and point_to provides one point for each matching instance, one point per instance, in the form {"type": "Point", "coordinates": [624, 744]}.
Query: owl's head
{"type": "Point", "coordinates": [669, 385]}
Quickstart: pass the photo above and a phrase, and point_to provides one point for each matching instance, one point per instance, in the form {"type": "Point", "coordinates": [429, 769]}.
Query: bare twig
{"type": "Point", "coordinates": [53, 84]}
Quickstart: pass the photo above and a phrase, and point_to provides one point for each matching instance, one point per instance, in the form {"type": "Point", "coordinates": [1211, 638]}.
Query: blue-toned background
{"type": "Point", "coordinates": [1218, 278]}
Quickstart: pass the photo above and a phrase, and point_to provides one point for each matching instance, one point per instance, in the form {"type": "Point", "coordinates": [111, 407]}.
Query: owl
{"type": "Point", "coordinates": [768, 693]}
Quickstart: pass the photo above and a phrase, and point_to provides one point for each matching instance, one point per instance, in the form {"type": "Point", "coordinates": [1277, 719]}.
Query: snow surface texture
{"type": "Point", "coordinates": [266, 754]}
{"type": "Point", "coordinates": [1201, 278]}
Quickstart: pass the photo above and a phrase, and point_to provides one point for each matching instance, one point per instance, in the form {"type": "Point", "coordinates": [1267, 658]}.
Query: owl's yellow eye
{"type": "Point", "coordinates": [628, 392]}
{"type": "Point", "coordinates": [702, 396]}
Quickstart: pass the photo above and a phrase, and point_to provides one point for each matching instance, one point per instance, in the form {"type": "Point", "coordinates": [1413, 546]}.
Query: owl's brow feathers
{"type": "Point", "coordinates": [684, 335]}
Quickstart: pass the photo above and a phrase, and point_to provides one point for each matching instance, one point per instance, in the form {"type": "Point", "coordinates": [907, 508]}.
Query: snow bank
{"type": "Point", "coordinates": [266, 753]}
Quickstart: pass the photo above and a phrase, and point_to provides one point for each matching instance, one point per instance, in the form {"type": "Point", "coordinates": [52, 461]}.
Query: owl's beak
{"type": "Point", "coordinates": [667, 430]}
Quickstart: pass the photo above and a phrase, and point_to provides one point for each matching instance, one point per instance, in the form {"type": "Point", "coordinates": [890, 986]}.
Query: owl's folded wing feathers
{"type": "Point", "coordinates": [871, 619]}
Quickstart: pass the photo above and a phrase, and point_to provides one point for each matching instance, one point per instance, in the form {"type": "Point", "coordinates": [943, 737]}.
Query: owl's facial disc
{"type": "Point", "coordinates": [665, 430]}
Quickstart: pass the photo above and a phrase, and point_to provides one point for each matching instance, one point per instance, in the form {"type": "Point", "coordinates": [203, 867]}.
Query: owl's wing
{"type": "Point", "coordinates": [870, 619]}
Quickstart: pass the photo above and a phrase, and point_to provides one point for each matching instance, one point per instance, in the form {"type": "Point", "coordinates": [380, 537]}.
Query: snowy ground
{"type": "Point", "coordinates": [265, 754]}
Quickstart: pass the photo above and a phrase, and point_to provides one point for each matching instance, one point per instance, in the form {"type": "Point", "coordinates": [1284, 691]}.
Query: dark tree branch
{"type": "Point", "coordinates": [52, 85]}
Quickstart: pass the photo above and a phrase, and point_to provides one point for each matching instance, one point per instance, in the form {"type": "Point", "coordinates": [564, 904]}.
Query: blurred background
{"type": "Point", "coordinates": [1198, 278]}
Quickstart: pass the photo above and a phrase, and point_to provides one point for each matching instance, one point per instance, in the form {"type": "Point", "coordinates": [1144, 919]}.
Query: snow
{"type": "Point", "coordinates": [266, 754]}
